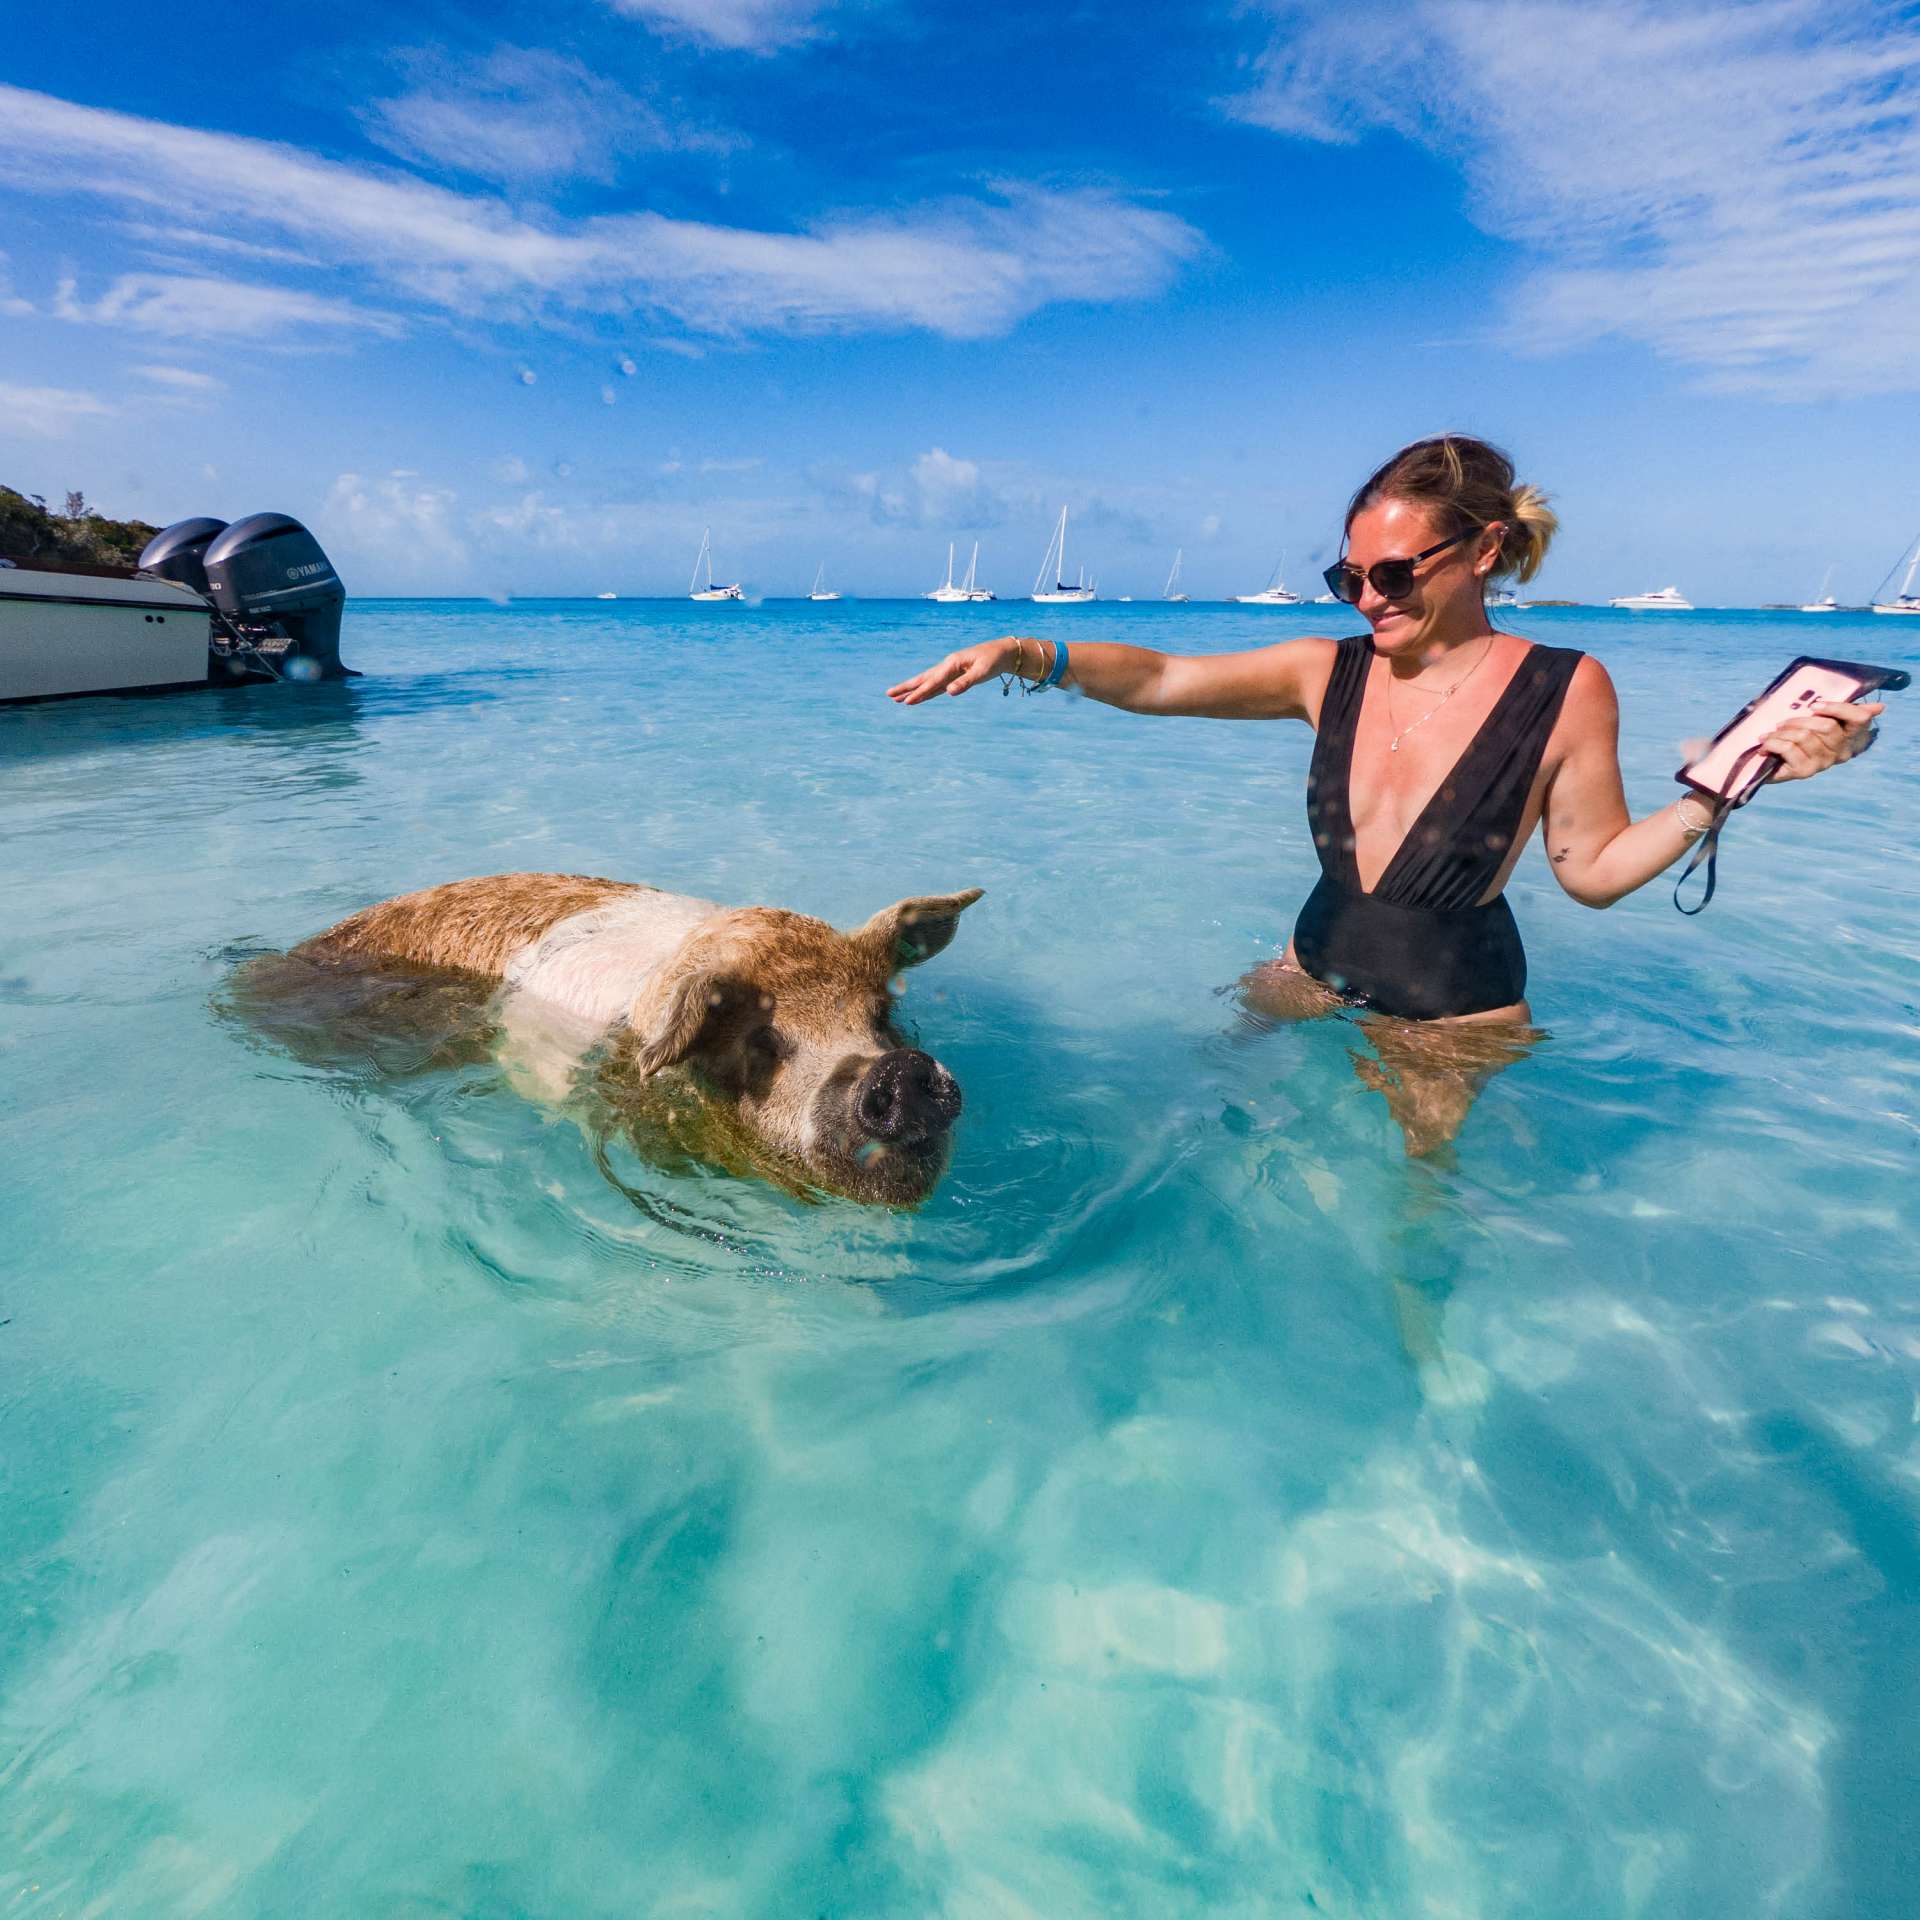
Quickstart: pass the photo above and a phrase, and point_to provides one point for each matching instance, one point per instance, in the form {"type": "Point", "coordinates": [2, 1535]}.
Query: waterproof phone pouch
{"type": "Point", "coordinates": [1735, 764]}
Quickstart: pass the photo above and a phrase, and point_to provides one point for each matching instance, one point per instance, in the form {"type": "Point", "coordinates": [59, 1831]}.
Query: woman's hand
{"type": "Point", "coordinates": [967, 668]}
{"type": "Point", "coordinates": [1823, 736]}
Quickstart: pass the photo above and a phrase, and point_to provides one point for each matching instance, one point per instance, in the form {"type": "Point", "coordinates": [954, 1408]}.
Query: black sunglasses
{"type": "Point", "coordinates": [1392, 579]}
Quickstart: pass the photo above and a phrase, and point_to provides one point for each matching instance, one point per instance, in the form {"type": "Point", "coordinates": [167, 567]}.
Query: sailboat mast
{"type": "Point", "coordinates": [1913, 568]}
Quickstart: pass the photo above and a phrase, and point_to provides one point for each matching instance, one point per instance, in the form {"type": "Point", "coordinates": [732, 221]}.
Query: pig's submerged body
{"type": "Point", "coordinates": [778, 1023]}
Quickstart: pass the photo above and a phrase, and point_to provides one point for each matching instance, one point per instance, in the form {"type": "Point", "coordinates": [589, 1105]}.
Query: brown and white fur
{"type": "Point", "coordinates": [779, 1025]}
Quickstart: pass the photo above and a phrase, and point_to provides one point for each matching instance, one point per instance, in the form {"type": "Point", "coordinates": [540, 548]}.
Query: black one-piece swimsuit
{"type": "Point", "coordinates": [1420, 944]}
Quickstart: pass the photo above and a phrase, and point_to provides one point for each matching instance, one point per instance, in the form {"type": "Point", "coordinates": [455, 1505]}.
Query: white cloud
{"type": "Point", "coordinates": [967, 268]}
{"type": "Point", "coordinates": [520, 115]}
{"type": "Point", "coordinates": [1737, 188]}
{"type": "Point", "coordinates": [510, 470]}
{"type": "Point", "coordinates": [48, 411]}
{"type": "Point", "coordinates": [181, 379]}
{"type": "Point", "coordinates": [531, 520]}
{"type": "Point", "coordinates": [397, 528]}
{"type": "Point", "coordinates": [757, 26]}
{"type": "Point", "coordinates": [175, 240]}
{"type": "Point", "coordinates": [200, 307]}
{"type": "Point", "coordinates": [937, 492]}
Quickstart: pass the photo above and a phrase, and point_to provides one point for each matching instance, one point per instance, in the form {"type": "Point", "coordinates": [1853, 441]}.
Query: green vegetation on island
{"type": "Point", "coordinates": [33, 534]}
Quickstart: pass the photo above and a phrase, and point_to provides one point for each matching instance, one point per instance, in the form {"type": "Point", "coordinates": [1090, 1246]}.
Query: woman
{"type": "Point", "coordinates": [1440, 744]}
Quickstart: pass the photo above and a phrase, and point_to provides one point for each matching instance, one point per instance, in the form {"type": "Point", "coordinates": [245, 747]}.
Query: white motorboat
{"type": "Point", "coordinates": [211, 605]}
{"type": "Point", "coordinates": [1906, 600]}
{"type": "Point", "coordinates": [967, 592]}
{"type": "Point", "coordinates": [1503, 597]}
{"type": "Point", "coordinates": [1172, 590]}
{"type": "Point", "coordinates": [821, 591]}
{"type": "Point", "coordinates": [606, 596]}
{"type": "Point", "coordinates": [1661, 600]}
{"type": "Point", "coordinates": [695, 591]}
{"type": "Point", "coordinates": [1055, 563]}
{"type": "Point", "coordinates": [1274, 594]}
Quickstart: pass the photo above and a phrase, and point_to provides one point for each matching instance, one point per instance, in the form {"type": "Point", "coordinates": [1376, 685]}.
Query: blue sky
{"type": "Point", "coordinates": [517, 300]}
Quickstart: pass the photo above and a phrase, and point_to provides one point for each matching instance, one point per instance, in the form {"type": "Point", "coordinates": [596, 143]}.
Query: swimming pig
{"type": "Point", "coordinates": [748, 1036]}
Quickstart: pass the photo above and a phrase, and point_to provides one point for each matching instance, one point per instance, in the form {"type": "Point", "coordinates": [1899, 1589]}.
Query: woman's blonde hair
{"type": "Point", "coordinates": [1467, 483]}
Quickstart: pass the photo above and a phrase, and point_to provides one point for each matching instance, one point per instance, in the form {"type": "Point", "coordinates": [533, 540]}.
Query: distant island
{"type": "Point", "coordinates": [33, 534]}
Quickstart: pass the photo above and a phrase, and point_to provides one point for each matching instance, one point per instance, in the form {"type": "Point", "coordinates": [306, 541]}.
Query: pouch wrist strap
{"type": "Point", "coordinates": [1706, 848]}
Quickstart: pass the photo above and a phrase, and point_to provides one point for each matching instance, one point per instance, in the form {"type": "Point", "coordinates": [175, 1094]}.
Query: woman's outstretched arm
{"type": "Point", "coordinates": [1272, 683]}
{"type": "Point", "coordinates": [1600, 853]}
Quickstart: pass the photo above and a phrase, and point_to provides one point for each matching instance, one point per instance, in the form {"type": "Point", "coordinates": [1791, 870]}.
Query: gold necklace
{"type": "Point", "coordinates": [1393, 745]}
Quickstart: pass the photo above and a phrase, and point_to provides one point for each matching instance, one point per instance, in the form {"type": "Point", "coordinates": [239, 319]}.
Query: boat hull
{"type": "Point", "coordinates": [64, 634]}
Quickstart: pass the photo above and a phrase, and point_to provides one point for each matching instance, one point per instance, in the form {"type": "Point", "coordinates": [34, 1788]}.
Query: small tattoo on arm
{"type": "Point", "coordinates": [1560, 858]}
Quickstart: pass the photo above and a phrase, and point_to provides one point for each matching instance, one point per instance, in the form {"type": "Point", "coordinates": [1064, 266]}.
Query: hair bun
{"type": "Point", "coordinates": [1467, 483]}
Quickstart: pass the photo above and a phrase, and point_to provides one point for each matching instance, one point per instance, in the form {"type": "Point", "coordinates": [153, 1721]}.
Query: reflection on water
{"type": "Point", "coordinates": [419, 1503]}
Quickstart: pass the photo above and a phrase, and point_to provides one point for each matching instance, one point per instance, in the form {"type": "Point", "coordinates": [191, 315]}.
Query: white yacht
{"type": "Point", "coordinates": [1055, 563]}
{"type": "Point", "coordinates": [1661, 600]}
{"type": "Point", "coordinates": [1173, 590]}
{"type": "Point", "coordinates": [968, 591]}
{"type": "Point", "coordinates": [1274, 594]}
{"type": "Point", "coordinates": [695, 591]}
{"type": "Point", "coordinates": [1906, 600]}
{"type": "Point", "coordinates": [1503, 597]}
{"type": "Point", "coordinates": [821, 591]}
{"type": "Point", "coordinates": [606, 596]}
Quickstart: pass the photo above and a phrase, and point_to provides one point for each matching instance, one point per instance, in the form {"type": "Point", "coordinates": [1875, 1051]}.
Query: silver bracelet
{"type": "Point", "coordinates": [1687, 827]}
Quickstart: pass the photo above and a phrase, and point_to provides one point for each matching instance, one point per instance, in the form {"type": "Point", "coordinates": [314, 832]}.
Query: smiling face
{"type": "Point", "coordinates": [782, 1030]}
{"type": "Point", "coordinates": [1445, 604]}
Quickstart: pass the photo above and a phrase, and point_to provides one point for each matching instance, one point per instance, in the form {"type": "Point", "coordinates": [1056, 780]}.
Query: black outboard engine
{"type": "Point", "coordinates": [179, 552]}
{"type": "Point", "coordinates": [279, 599]}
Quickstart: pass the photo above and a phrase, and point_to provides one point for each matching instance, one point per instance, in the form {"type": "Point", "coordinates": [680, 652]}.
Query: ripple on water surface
{"type": "Point", "coordinates": [418, 1503]}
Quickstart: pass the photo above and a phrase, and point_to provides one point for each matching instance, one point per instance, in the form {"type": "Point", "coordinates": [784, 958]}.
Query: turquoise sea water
{"type": "Point", "coordinates": [1196, 1510]}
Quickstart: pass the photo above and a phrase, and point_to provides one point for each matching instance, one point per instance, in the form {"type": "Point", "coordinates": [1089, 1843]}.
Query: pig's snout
{"type": "Point", "coordinates": [906, 1097]}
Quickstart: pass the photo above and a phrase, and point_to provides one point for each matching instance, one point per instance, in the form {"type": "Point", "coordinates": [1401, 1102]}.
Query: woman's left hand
{"type": "Point", "coordinates": [1823, 736]}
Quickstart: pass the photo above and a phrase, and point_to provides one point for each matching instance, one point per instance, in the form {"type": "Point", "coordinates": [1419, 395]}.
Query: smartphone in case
{"type": "Point", "coordinates": [1735, 764]}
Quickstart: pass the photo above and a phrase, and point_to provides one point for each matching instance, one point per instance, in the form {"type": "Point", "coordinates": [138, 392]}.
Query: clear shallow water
{"type": "Point", "coordinates": [1196, 1509]}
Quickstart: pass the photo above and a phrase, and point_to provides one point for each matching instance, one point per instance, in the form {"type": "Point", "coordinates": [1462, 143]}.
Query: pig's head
{"type": "Point", "coordinates": [784, 1026]}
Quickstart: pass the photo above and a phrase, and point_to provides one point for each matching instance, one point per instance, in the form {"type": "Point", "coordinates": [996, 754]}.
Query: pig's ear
{"type": "Point", "coordinates": [671, 1021]}
{"type": "Point", "coordinates": [910, 931]}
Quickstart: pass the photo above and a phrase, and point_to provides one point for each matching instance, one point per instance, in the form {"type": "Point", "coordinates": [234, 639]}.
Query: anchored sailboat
{"type": "Point", "coordinates": [821, 591]}
{"type": "Point", "coordinates": [948, 594]}
{"type": "Point", "coordinates": [1906, 600]}
{"type": "Point", "coordinates": [695, 591]}
{"type": "Point", "coordinates": [1173, 580]}
{"type": "Point", "coordinates": [1274, 593]}
{"type": "Point", "coordinates": [1055, 563]}
{"type": "Point", "coordinates": [1826, 603]}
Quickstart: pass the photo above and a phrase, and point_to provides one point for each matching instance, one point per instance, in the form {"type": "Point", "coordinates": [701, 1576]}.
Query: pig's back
{"type": "Point", "coordinates": [592, 964]}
